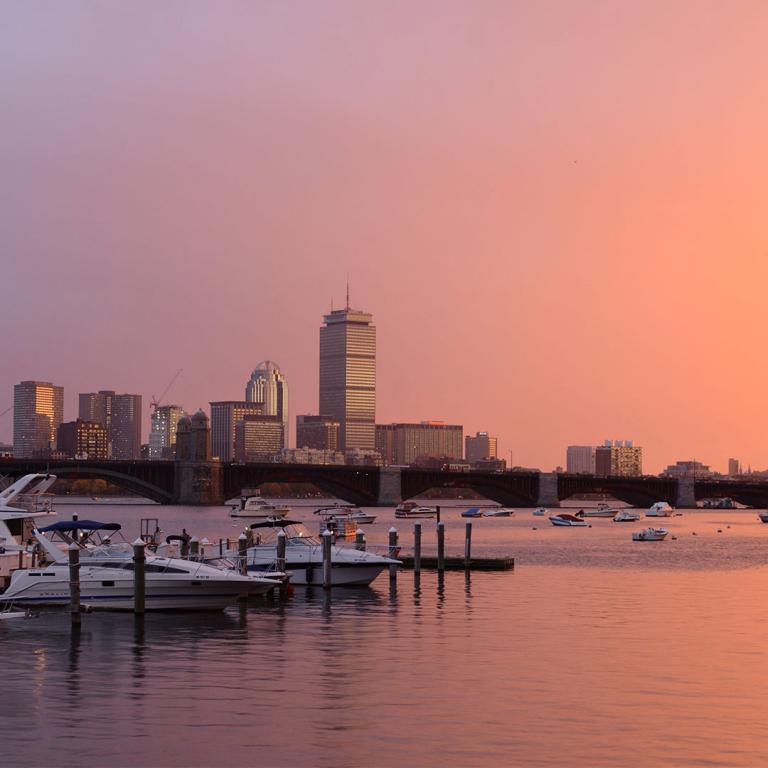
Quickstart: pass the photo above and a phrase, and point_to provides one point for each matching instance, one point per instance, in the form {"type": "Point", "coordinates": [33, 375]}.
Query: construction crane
{"type": "Point", "coordinates": [9, 408]}
{"type": "Point", "coordinates": [157, 400]}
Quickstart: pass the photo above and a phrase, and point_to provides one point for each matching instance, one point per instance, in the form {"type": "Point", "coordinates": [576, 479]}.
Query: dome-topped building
{"type": "Point", "coordinates": [268, 386]}
{"type": "Point", "coordinates": [193, 438]}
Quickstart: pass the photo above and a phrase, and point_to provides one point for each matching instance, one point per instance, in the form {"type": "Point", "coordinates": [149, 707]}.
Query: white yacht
{"type": "Point", "coordinates": [22, 505]}
{"type": "Point", "coordinates": [256, 507]}
{"type": "Point", "coordinates": [412, 509]}
{"type": "Point", "coordinates": [564, 519]}
{"type": "Point", "coordinates": [106, 575]}
{"type": "Point", "coordinates": [304, 556]}
{"type": "Point", "coordinates": [345, 513]}
{"type": "Point", "coordinates": [650, 534]}
{"type": "Point", "coordinates": [602, 510]}
{"type": "Point", "coordinates": [626, 516]}
{"type": "Point", "coordinates": [498, 512]}
{"type": "Point", "coordinates": [660, 509]}
{"type": "Point", "coordinates": [539, 512]}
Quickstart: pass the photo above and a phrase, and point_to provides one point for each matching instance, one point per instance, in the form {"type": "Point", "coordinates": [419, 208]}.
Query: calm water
{"type": "Point", "coordinates": [595, 651]}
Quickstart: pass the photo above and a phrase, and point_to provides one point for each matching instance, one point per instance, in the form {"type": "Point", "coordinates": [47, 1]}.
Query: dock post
{"type": "Point", "coordinates": [437, 509]}
{"type": "Point", "coordinates": [441, 547]}
{"type": "Point", "coordinates": [139, 577]}
{"type": "Point", "coordinates": [327, 536]}
{"type": "Point", "coordinates": [360, 540]}
{"type": "Point", "coordinates": [221, 547]}
{"type": "Point", "coordinates": [242, 553]}
{"type": "Point", "coordinates": [281, 538]}
{"type": "Point", "coordinates": [194, 548]}
{"type": "Point", "coordinates": [467, 545]}
{"type": "Point", "coordinates": [74, 583]}
{"type": "Point", "coordinates": [392, 551]}
{"type": "Point", "coordinates": [417, 548]}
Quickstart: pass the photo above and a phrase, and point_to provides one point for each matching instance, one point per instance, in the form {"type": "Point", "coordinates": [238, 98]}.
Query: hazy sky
{"type": "Point", "coordinates": [556, 211]}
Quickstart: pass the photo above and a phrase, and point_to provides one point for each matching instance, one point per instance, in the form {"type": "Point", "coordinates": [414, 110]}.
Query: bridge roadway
{"type": "Point", "coordinates": [170, 482]}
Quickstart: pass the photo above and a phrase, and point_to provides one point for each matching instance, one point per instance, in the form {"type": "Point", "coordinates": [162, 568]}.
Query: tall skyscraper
{"type": "Point", "coordinates": [38, 409]}
{"type": "Point", "coordinates": [162, 437]}
{"type": "Point", "coordinates": [348, 376]}
{"type": "Point", "coordinates": [120, 415]}
{"type": "Point", "coordinates": [481, 446]}
{"type": "Point", "coordinates": [225, 415]}
{"type": "Point", "coordinates": [268, 386]}
{"type": "Point", "coordinates": [580, 459]}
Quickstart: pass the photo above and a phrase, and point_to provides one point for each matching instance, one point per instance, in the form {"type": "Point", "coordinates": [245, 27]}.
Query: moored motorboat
{"type": "Point", "coordinates": [660, 509]}
{"type": "Point", "coordinates": [564, 519]}
{"type": "Point", "coordinates": [602, 510]}
{"type": "Point", "coordinates": [626, 516]}
{"type": "Point", "coordinates": [107, 579]}
{"type": "Point", "coordinates": [345, 513]}
{"type": "Point", "coordinates": [472, 512]}
{"type": "Point", "coordinates": [255, 507]}
{"type": "Point", "coordinates": [410, 509]}
{"type": "Point", "coordinates": [650, 534]}
{"type": "Point", "coordinates": [498, 512]}
{"type": "Point", "coordinates": [763, 517]}
{"type": "Point", "coordinates": [539, 512]}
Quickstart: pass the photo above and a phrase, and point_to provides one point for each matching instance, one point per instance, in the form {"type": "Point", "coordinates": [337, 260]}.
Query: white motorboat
{"type": "Point", "coordinates": [410, 509]}
{"type": "Point", "coordinates": [106, 575]}
{"type": "Point", "coordinates": [660, 509]}
{"type": "Point", "coordinates": [256, 507]}
{"type": "Point", "coordinates": [345, 513]}
{"type": "Point", "coordinates": [22, 505]}
{"type": "Point", "coordinates": [626, 516]}
{"type": "Point", "coordinates": [498, 512]}
{"type": "Point", "coordinates": [540, 512]}
{"type": "Point", "coordinates": [763, 517]}
{"type": "Point", "coordinates": [602, 510]}
{"type": "Point", "coordinates": [564, 519]}
{"type": "Point", "coordinates": [650, 534]}
{"type": "Point", "coordinates": [304, 556]}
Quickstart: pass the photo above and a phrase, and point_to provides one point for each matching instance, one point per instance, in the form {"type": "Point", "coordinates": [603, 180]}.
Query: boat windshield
{"type": "Point", "coordinates": [119, 550]}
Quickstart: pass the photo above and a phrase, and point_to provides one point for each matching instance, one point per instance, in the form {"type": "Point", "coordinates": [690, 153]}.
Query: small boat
{"type": "Point", "coordinates": [650, 534]}
{"type": "Point", "coordinates": [540, 512]}
{"type": "Point", "coordinates": [724, 503]}
{"type": "Point", "coordinates": [498, 512]}
{"type": "Point", "coordinates": [626, 516]}
{"type": "Point", "coordinates": [660, 509]}
{"type": "Point", "coordinates": [343, 513]}
{"type": "Point", "coordinates": [412, 509]}
{"type": "Point", "coordinates": [564, 519]}
{"type": "Point", "coordinates": [763, 517]}
{"type": "Point", "coordinates": [472, 512]}
{"type": "Point", "coordinates": [602, 510]}
{"type": "Point", "coordinates": [256, 507]}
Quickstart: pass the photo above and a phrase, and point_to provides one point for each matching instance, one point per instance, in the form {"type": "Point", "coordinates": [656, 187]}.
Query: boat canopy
{"type": "Point", "coordinates": [276, 523]}
{"type": "Point", "coordinates": [71, 526]}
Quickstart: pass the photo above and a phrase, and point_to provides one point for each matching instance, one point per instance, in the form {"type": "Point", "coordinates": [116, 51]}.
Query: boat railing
{"type": "Point", "coordinates": [34, 503]}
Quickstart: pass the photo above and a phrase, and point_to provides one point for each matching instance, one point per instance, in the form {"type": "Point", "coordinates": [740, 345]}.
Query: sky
{"type": "Point", "coordinates": [555, 211]}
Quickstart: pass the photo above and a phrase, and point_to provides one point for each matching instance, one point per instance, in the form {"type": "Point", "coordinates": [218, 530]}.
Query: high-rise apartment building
{"type": "Point", "coordinates": [162, 436]}
{"type": "Point", "coordinates": [225, 415]}
{"type": "Point", "coordinates": [348, 376]}
{"type": "Point", "coordinates": [580, 459]}
{"type": "Point", "coordinates": [38, 409]}
{"type": "Point", "coordinates": [404, 443]}
{"type": "Point", "coordinates": [734, 467]}
{"type": "Point", "coordinates": [120, 415]}
{"type": "Point", "coordinates": [258, 438]}
{"type": "Point", "coordinates": [481, 446]}
{"type": "Point", "coordinates": [618, 458]}
{"type": "Point", "coordinates": [82, 439]}
{"type": "Point", "coordinates": [268, 386]}
{"type": "Point", "coordinates": [318, 432]}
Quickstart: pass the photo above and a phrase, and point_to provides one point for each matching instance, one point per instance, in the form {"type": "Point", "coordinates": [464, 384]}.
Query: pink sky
{"type": "Point", "coordinates": [555, 211]}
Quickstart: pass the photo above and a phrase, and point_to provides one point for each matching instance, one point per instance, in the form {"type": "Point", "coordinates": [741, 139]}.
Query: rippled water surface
{"type": "Point", "coordinates": [594, 651]}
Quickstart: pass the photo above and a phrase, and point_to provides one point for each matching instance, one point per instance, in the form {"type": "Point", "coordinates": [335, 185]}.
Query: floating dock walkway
{"type": "Point", "coordinates": [460, 564]}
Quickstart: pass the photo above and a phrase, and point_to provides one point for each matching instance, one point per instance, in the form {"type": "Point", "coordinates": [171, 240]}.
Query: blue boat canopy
{"type": "Point", "coordinates": [70, 526]}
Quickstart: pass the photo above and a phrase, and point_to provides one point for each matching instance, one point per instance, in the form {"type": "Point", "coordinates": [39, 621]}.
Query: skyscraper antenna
{"type": "Point", "coordinates": [347, 291]}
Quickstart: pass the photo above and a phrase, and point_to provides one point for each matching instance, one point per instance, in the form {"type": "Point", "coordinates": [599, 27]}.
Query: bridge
{"type": "Point", "coordinates": [171, 482]}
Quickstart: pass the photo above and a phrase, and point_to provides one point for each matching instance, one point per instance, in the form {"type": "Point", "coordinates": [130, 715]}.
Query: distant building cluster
{"type": "Point", "coordinates": [614, 458]}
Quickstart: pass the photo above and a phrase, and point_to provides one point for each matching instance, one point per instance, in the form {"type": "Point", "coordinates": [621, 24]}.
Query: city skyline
{"type": "Point", "coordinates": [490, 244]}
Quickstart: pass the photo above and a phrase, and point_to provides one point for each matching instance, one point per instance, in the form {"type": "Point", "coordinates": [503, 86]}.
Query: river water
{"type": "Point", "coordinates": [594, 651]}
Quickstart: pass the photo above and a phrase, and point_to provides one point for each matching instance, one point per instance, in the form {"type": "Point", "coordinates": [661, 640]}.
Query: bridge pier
{"type": "Point", "coordinates": [686, 496]}
{"type": "Point", "coordinates": [390, 487]}
{"type": "Point", "coordinates": [548, 496]}
{"type": "Point", "coordinates": [198, 483]}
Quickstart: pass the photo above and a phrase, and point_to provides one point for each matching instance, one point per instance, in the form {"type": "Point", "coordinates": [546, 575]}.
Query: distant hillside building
{"type": "Point", "coordinates": [82, 439]}
{"type": "Point", "coordinates": [38, 409]}
{"type": "Point", "coordinates": [480, 447]}
{"type": "Point", "coordinates": [120, 415]}
{"type": "Point", "coordinates": [580, 459]}
{"type": "Point", "coordinates": [618, 458]}
{"type": "Point", "coordinates": [318, 432]}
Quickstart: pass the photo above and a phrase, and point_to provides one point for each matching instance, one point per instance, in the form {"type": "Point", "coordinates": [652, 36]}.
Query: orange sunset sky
{"type": "Point", "coordinates": [555, 211]}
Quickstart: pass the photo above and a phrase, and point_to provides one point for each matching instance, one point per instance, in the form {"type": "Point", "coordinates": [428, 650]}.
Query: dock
{"type": "Point", "coordinates": [460, 564]}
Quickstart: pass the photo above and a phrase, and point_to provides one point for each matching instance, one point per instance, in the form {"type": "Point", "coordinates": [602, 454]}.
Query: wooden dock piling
{"type": "Point", "coordinates": [74, 583]}
{"type": "Point", "coordinates": [327, 543]}
{"type": "Point", "coordinates": [467, 544]}
{"type": "Point", "coordinates": [360, 540]}
{"type": "Point", "coordinates": [139, 577]}
{"type": "Point", "coordinates": [417, 548]}
{"type": "Point", "coordinates": [441, 547]}
{"type": "Point", "coordinates": [194, 548]}
{"type": "Point", "coordinates": [392, 551]}
{"type": "Point", "coordinates": [242, 553]}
